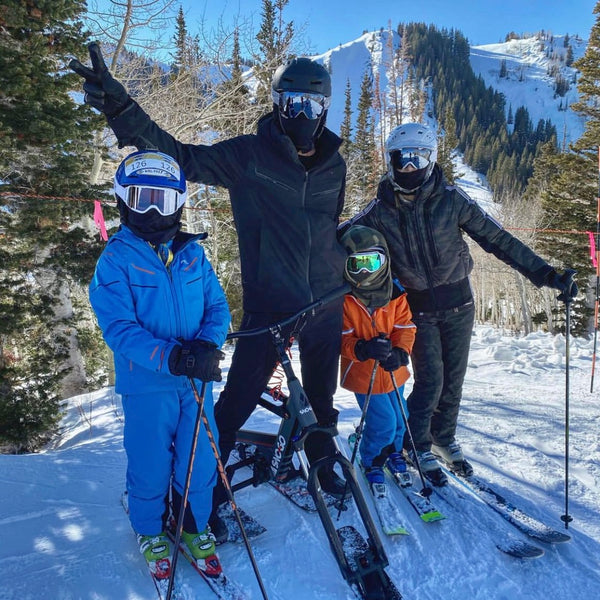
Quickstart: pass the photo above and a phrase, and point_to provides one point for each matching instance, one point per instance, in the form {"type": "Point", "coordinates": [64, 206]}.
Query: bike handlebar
{"type": "Point", "coordinates": [336, 293]}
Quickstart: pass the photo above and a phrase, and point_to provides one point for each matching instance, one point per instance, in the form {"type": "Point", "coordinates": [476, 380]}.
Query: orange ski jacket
{"type": "Point", "coordinates": [395, 320]}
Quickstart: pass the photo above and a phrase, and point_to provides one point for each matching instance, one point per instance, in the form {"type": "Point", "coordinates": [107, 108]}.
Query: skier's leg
{"type": "Point", "coordinates": [320, 344]}
{"type": "Point", "coordinates": [426, 359]}
{"type": "Point", "coordinates": [204, 469]}
{"type": "Point", "coordinates": [456, 330]}
{"type": "Point", "coordinates": [150, 425]}
{"type": "Point", "coordinates": [380, 427]}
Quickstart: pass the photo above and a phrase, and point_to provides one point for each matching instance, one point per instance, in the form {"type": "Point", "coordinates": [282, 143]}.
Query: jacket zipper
{"type": "Point", "coordinates": [309, 235]}
{"type": "Point", "coordinates": [275, 181]}
{"type": "Point", "coordinates": [422, 246]}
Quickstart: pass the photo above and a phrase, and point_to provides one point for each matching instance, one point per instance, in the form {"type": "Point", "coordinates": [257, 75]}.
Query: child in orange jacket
{"type": "Point", "coordinates": [377, 327]}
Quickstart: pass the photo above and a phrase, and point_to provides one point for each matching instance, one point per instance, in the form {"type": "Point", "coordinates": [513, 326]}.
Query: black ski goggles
{"type": "Point", "coordinates": [369, 262]}
{"type": "Point", "coordinates": [293, 104]}
{"type": "Point", "coordinates": [418, 158]}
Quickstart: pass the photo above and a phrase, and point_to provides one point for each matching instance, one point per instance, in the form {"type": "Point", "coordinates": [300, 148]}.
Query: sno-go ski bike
{"type": "Point", "coordinates": [362, 562]}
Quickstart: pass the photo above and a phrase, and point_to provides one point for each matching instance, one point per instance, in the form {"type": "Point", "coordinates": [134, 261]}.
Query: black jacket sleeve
{"type": "Point", "coordinates": [220, 164]}
{"type": "Point", "coordinates": [493, 238]}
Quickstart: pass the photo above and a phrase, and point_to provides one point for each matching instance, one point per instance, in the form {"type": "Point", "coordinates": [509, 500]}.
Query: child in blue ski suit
{"type": "Point", "coordinates": [164, 315]}
{"type": "Point", "coordinates": [377, 327]}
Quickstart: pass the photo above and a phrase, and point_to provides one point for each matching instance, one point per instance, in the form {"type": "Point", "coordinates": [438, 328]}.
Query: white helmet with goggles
{"type": "Point", "coordinates": [148, 180]}
{"type": "Point", "coordinates": [411, 145]}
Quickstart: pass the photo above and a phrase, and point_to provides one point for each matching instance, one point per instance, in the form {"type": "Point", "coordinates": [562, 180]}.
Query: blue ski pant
{"type": "Point", "coordinates": [384, 425]}
{"type": "Point", "coordinates": [157, 437]}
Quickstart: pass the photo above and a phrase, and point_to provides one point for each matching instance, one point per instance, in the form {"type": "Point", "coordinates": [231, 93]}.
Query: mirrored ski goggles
{"type": "Point", "coordinates": [369, 262]}
{"type": "Point", "coordinates": [419, 158]}
{"type": "Point", "coordinates": [166, 201]}
{"type": "Point", "coordinates": [294, 104]}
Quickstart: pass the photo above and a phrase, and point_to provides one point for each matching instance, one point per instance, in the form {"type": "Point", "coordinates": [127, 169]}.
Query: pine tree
{"type": "Point", "coordinates": [274, 38]}
{"type": "Point", "coordinates": [46, 256]}
{"type": "Point", "coordinates": [181, 57]}
{"type": "Point", "coordinates": [566, 183]}
{"type": "Point", "coordinates": [503, 69]}
{"type": "Point", "coordinates": [448, 143]}
{"type": "Point", "coordinates": [364, 143]}
{"type": "Point", "coordinates": [346, 126]}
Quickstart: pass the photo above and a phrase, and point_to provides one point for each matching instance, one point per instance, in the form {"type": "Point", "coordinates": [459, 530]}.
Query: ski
{"type": "Point", "coordinates": [373, 582]}
{"type": "Point", "coordinates": [251, 526]}
{"type": "Point", "coordinates": [507, 543]}
{"type": "Point", "coordinates": [160, 583]}
{"type": "Point", "coordinates": [423, 506]}
{"type": "Point", "coordinates": [390, 517]}
{"type": "Point", "coordinates": [295, 491]}
{"type": "Point", "coordinates": [222, 586]}
{"type": "Point", "coordinates": [524, 522]}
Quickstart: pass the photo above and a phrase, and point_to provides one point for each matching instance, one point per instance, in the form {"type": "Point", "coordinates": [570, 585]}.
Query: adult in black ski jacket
{"type": "Point", "coordinates": [423, 220]}
{"type": "Point", "coordinates": [286, 185]}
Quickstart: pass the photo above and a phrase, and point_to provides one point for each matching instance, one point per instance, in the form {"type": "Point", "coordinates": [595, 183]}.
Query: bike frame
{"type": "Point", "coordinates": [273, 458]}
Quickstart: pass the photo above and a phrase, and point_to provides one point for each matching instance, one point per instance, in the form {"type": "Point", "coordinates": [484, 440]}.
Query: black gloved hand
{"type": "Point", "coordinates": [196, 358]}
{"type": "Point", "coordinates": [378, 348]}
{"type": "Point", "coordinates": [397, 358]}
{"type": "Point", "coordinates": [564, 283]}
{"type": "Point", "coordinates": [102, 90]}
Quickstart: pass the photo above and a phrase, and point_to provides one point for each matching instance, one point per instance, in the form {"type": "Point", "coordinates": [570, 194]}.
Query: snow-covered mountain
{"type": "Point", "coordinates": [65, 536]}
{"type": "Point", "coordinates": [533, 66]}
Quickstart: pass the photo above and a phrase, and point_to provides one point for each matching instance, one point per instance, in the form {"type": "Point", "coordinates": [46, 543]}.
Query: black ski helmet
{"type": "Point", "coordinates": [302, 75]}
{"type": "Point", "coordinates": [305, 76]}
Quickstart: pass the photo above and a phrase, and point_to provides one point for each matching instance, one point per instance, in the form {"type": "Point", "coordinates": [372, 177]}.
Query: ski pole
{"type": "Point", "coordinates": [225, 480]}
{"type": "Point", "coordinates": [186, 487]}
{"type": "Point", "coordinates": [597, 299]}
{"type": "Point", "coordinates": [426, 491]}
{"type": "Point", "coordinates": [567, 518]}
{"type": "Point", "coordinates": [359, 430]}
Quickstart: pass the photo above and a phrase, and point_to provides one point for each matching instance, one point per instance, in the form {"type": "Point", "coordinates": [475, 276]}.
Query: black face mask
{"type": "Point", "coordinates": [151, 226]}
{"type": "Point", "coordinates": [302, 131]}
{"type": "Point", "coordinates": [412, 180]}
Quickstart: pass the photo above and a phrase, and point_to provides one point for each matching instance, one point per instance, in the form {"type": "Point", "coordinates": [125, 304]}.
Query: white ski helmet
{"type": "Point", "coordinates": [411, 143]}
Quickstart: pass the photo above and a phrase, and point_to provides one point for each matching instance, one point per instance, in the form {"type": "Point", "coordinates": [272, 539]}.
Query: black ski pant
{"type": "Point", "coordinates": [439, 360]}
{"type": "Point", "coordinates": [253, 363]}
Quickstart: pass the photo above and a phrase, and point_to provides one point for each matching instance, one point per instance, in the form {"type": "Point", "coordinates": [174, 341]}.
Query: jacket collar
{"type": "Point", "coordinates": [268, 129]}
{"type": "Point", "coordinates": [389, 195]}
{"type": "Point", "coordinates": [180, 240]}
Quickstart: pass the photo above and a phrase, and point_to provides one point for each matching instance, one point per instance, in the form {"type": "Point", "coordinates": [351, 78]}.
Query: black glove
{"type": "Point", "coordinates": [397, 358]}
{"type": "Point", "coordinates": [378, 348]}
{"type": "Point", "coordinates": [564, 284]}
{"type": "Point", "coordinates": [196, 358]}
{"type": "Point", "coordinates": [102, 90]}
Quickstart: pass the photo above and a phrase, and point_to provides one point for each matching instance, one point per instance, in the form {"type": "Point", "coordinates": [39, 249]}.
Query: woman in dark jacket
{"type": "Point", "coordinates": [423, 220]}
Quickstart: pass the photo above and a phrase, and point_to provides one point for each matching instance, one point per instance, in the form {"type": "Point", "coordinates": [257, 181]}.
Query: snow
{"type": "Point", "coordinates": [528, 82]}
{"type": "Point", "coordinates": [65, 535]}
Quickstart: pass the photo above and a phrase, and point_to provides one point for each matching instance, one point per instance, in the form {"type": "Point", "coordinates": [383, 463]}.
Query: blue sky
{"type": "Point", "coordinates": [329, 23]}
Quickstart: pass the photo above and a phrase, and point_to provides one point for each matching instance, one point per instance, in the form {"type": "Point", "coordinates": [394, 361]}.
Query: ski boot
{"type": "Point", "coordinates": [376, 478]}
{"type": "Point", "coordinates": [396, 465]}
{"type": "Point", "coordinates": [453, 456]}
{"type": "Point", "coordinates": [201, 546]}
{"type": "Point", "coordinates": [429, 466]}
{"type": "Point", "coordinates": [157, 552]}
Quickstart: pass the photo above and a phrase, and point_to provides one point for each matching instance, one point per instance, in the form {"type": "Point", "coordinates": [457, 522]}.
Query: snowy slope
{"type": "Point", "coordinates": [528, 83]}
{"type": "Point", "coordinates": [66, 537]}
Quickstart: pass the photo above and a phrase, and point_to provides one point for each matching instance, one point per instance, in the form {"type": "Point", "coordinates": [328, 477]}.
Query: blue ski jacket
{"type": "Point", "coordinates": [144, 308]}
